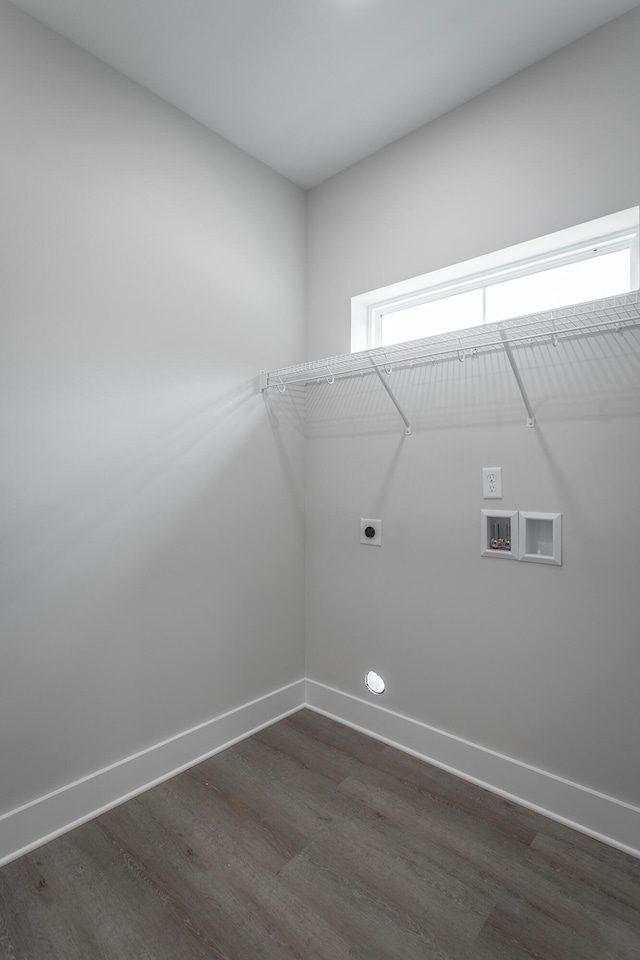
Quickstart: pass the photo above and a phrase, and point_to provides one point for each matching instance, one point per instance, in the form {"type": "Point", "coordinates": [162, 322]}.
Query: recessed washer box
{"type": "Point", "coordinates": [499, 534]}
{"type": "Point", "coordinates": [540, 537]}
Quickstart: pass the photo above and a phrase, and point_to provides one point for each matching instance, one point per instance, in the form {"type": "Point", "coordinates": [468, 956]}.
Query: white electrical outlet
{"type": "Point", "coordinates": [492, 483]}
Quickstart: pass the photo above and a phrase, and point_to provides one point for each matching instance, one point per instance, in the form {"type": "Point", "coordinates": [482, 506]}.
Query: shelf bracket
{"type": "Point", "coordinates": [531, 420]}
{"type": "Point", "coordinates": [407, 425]}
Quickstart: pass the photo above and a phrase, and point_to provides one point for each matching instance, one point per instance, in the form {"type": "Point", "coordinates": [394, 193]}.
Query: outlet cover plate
{"type": "Point", "coordinates": [492, 483]}
{"type": "Point", "coordinates": [376, 540]}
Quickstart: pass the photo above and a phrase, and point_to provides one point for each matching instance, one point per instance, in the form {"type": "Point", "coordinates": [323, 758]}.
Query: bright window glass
{"type": "Point", "coordinates": [600, 276]}
{"type": "Point", "coordinates": [600, 258]}
{"type": "Point", "coordinates": [436, 316]}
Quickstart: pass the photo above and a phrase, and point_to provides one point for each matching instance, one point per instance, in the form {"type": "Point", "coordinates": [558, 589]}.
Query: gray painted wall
{"type": "Point", "coordinates": [148, 270]}
{"type": "Point", "coordinates": [537, 662]}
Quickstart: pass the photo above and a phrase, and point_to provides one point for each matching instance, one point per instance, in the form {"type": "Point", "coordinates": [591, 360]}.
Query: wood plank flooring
{"type": "Point", "coordinates": [314, 842]}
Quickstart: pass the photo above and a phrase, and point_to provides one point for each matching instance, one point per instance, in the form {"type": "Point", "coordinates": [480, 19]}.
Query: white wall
{"type": "Point", "coordinates": [536, 662]}
{"type": "Point", "coordinates": [554, 146]}
{"type": "Point", "coordinates": [152, 516]}
{"type": "Point", "coordinates": [151, 527]}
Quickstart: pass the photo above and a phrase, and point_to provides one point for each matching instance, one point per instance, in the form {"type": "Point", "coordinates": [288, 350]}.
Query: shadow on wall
{"type": "Point", "coordinates": [287, 411]}
{"type": "Point", "coordinates": [135, 597]}
{"type": "Point", "coordinates": [145, 490]}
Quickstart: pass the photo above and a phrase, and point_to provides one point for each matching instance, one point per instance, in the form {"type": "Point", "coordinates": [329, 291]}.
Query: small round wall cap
{"type": "Point", "coordinates": [374, 683]}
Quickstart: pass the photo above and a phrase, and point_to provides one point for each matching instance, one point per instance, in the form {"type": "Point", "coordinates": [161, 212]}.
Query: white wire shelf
{"type": "Point", "coordinates": [550, 326]}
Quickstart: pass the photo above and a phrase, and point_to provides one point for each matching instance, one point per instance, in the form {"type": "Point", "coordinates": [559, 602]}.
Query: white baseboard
{"type": "Point", "coordinates": [605, 818]}
{"type": "Point", "coordinates": [47, 817]}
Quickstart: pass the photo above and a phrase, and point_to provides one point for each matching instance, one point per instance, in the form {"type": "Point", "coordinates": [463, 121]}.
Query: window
{"type": "Point", "coordinates": [587, 262]}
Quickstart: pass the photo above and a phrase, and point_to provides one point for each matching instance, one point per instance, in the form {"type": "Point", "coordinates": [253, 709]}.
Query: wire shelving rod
{"type": "Point", "coordinates": [551, 326]}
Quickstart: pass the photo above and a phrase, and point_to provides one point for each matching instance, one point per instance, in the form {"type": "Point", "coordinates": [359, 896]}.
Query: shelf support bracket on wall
{"type": "Point", "coordinates": [407, 425]}
{"type": "Point", "coordinates": [531, 420]}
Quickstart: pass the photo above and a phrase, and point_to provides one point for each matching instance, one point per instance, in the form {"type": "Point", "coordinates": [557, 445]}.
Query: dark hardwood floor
{"type": "Point", "coordinates": [312, 841]}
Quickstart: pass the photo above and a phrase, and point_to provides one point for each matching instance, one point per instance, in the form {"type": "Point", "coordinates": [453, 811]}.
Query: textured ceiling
{"type": "Point", "coordinates": [311, 86]}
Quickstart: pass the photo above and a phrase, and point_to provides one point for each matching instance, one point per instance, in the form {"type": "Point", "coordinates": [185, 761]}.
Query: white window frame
{"type": "Point", "coordinates": [608, 234]}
